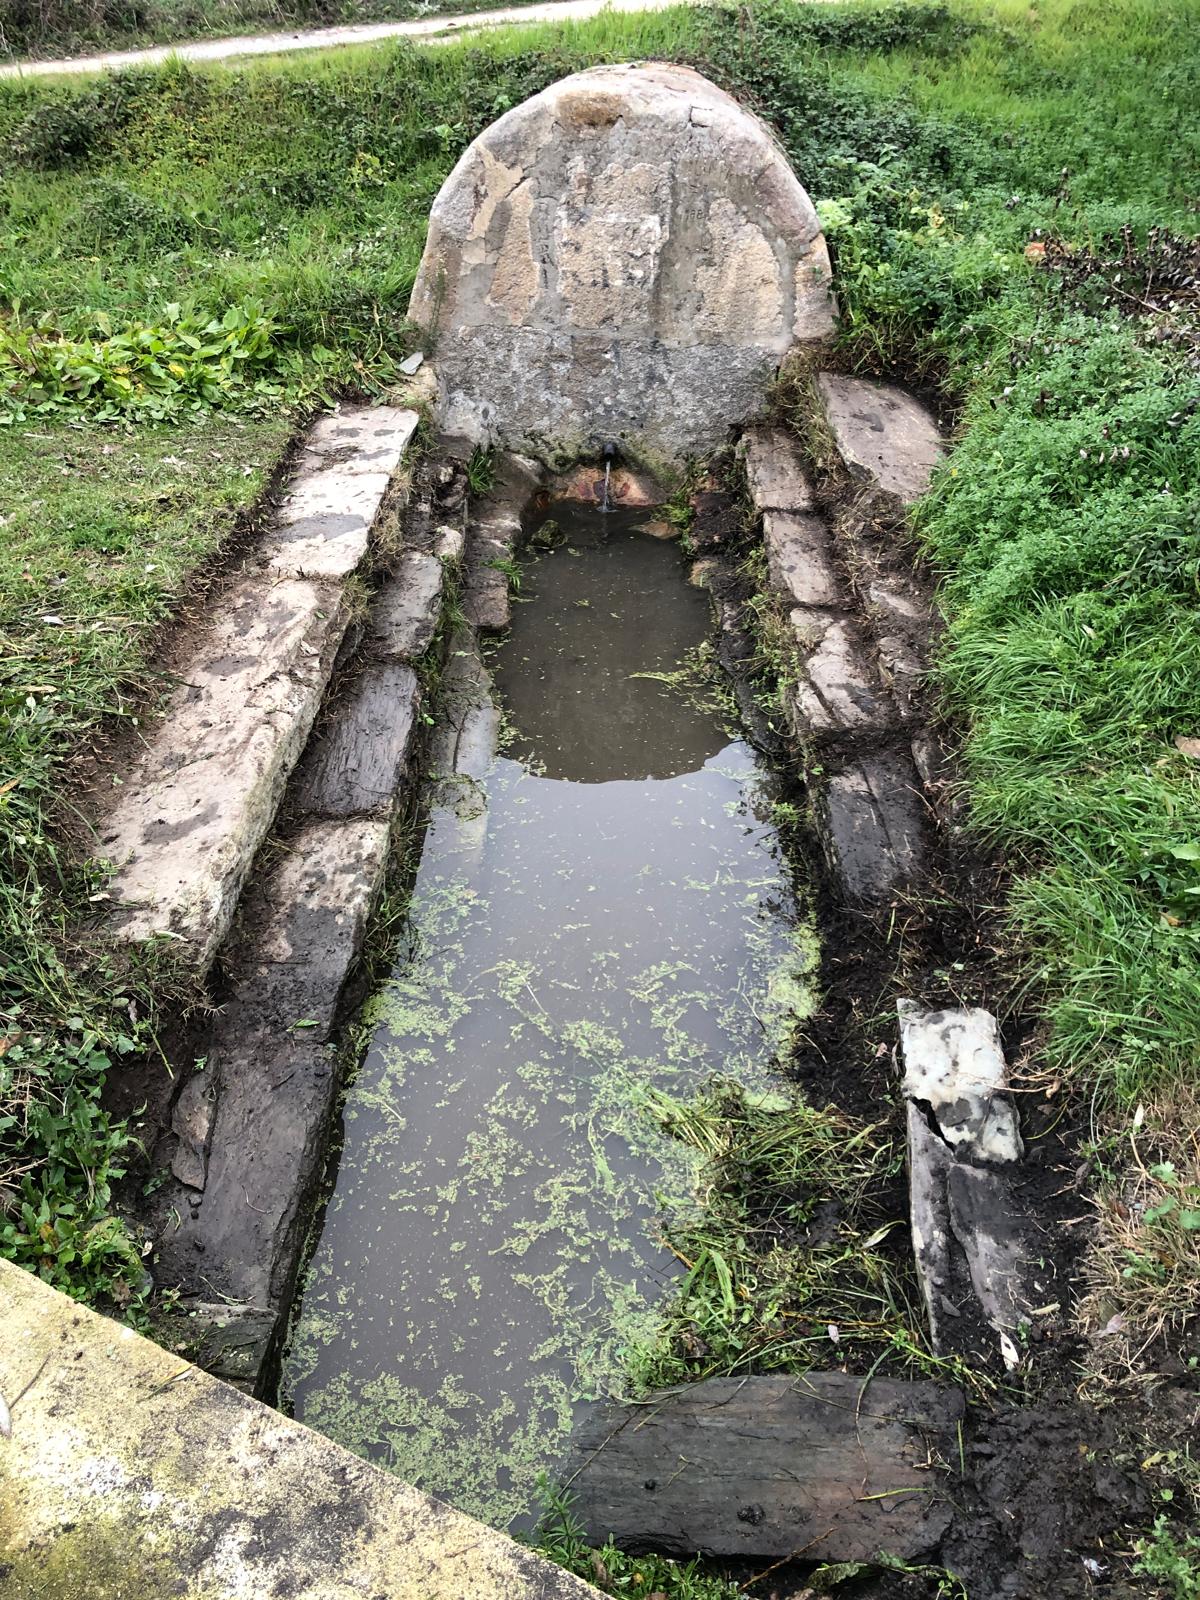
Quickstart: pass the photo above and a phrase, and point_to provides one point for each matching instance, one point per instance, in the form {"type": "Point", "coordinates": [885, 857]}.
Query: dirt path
{"type": "Point", "coordinates": [430, 29]}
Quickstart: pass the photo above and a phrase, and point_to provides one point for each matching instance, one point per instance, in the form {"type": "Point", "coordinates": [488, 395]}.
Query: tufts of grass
{"type": "Point", "coordinates": [784, 1257]}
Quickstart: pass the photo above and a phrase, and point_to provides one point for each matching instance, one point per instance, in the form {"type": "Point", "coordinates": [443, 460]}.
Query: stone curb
{"type": "Point", "coordinates": [128, 1471]}
{"type": "Point", "coordinates": [204, 792]}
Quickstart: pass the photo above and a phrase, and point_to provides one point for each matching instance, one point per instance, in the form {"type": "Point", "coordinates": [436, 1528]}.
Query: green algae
{"type": "Point", "coordinates": [493, 1255]}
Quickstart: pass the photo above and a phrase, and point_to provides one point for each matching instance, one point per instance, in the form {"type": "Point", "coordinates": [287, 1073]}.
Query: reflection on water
{"type": "Point", "coordinates": [579, 933]}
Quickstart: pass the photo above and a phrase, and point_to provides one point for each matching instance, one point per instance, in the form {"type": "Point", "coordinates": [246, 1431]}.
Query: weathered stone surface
{"type": "Point", "coordinates": [971, 1245]}
{"type": "Point", "coordinates": [356, 763]}
{"type": "Point", "coordinates": [191, 1123]}
{"type": "Point", "coordinates": [405, 611]}
{"type": "Point", "coordinates": [490, 541]}
{"type": "Point", "coordinates": [835, 691]}
{"type": "Point", "coordinates": [954, 1064]}
{"type": "Point", "coordinates": [872, 822]}
{"type": "Point", "coordinates": [765, 1467]}
{"type": "Point", "coordinates": [303, 926]}
{"type": "Point", "coordinates": [198, 802]}
{"type": "Point", "coordinates": [903, 666]}
{"type": "Point", "coordinates": [130, 1472]}
{"type": "Point", "coordinates": [885, 438]}
{"type": "Point", "coordinates": [360, 440]}
{"type": "Point", "coordinates": [798, 559]}
{"type": "Point", "coordinates": [324, 524]}
{"type": "Point", "coordinates": [775, 471]}
{"type": "Point", "coordinates": [625, 256]}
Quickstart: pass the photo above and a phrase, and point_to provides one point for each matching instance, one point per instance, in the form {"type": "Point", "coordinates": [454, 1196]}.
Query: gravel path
{"type": "Point", "coordinates": [432, 30]}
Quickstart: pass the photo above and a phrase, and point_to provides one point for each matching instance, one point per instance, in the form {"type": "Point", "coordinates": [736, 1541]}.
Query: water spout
{"type": "Point", "coordinates": [610, 451]}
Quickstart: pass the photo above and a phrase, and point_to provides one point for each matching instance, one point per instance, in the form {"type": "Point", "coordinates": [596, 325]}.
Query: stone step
{"type": "Point", "coordinates": [776, 475]}
{"type": "Point", "coordinates": [823, 1465]}
{"type": "Point", "coordinates": [199, 800]}
{"type": "Point", "coordinates": [250, 1167]}
{"type": "Point", "coordinates": [886, 439]}
{"type": "Point", "coordinates": [871, 817]}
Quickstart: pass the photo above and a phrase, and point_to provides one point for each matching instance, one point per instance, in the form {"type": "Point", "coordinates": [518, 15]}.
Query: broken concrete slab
{"type": "Point", "coordinates": [303, 926]}
{"type": "Point", "coordinates": [128, 1471]}
{"type": "Point", "coordinates": [835, 690]}
{"type": "Point", "coordinates": [775, 471]}
{"type": "Point", "coordinates": [407, 607]}
{"type": "Point", "coordinates": [357, 762]}
{"type": "Point", "coordinates": [971, 1243]}
{"type": "Point", "coordinates": [954, 1063]}
{"type": "Point", "coordinates": [835, 1466]}
{"type": "Point", "coordinates": [872, 822]}
{"type": "Point", "coordinates": [799, 562]}
{"type": "Point", "coordinates": [197, 803]}
{"type": "Point", "coordinates": [885, 438]}
{"type": "Point", "coordinates": [904, 668]}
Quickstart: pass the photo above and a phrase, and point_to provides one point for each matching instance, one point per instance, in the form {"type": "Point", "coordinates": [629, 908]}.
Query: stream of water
{"type": "Point", "coordinates": [600, 912]}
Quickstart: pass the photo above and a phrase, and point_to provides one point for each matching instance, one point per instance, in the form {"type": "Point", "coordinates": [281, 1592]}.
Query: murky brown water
{"type": "Point", "coordinates": [606, 911]}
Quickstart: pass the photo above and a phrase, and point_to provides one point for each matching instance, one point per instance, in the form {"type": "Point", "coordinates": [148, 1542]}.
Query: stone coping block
{"type": "Point", "coordinates": [798, 559]}
{"type": "Point", "coordinates": [775, 472]}
{"type": "Point", "coordinates": [357, 762]}
{"type": "Point", "coordinates": [836, 691]}
{"type": "Point", "coordinates": [199, 800]}
{"type": "Point", "coordinates": [324, 526]}
{"type": "Point", "coordinates": [130, 1472]}
{"type": "Point", "coordinates": [886, 438]}
{"type": "Point", "coordinates": [405, 611]}
{"type": "Point", "coordinates": [342, 476]}
{"type": "Point", "coordinates": [872, 822]}
{"type": "Point", "coordinates": [276, 1079]}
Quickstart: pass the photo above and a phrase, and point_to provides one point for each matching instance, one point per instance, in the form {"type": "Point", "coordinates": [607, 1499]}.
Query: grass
{"type": "Point", "coordinates": [785, 1258]}
{"type": "Point", "coordinates": [290, 197]}
{"type": "Point", "coordinates": [102, 533]}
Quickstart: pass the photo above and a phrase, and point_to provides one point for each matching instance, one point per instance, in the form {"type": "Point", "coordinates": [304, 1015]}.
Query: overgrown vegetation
{"type": "Point", "coordinates": [784, 1262]}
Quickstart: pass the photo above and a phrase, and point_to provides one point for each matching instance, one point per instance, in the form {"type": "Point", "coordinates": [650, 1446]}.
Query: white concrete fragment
{"type": "Point", "coordinates": [954, 1063]}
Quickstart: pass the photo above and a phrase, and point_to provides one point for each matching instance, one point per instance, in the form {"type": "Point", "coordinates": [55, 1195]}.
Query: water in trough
{"type": "Point", "coordinates": [601, 912]}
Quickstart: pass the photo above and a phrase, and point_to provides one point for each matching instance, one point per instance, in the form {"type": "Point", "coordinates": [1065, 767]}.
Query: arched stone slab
{"type": "Point", "coordinates": [625, 256]}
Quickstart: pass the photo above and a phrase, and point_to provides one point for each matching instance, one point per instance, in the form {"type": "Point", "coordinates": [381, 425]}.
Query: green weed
{"type": "Point", "coordinates": [1171, 1559]}
{"type": "Point", "coordinates": [784, 1265]}
{"type": "Point", "coordinates": [610, 1570]}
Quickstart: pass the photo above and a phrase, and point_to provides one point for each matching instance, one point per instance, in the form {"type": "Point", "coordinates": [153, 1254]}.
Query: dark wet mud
{"type": "Point", "coordinates": [602, 915]}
